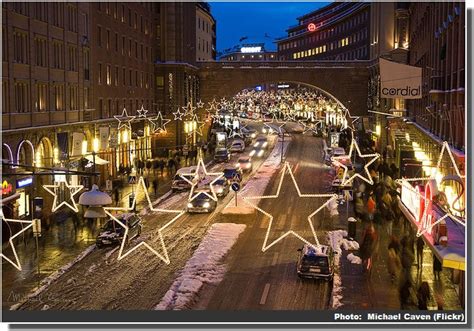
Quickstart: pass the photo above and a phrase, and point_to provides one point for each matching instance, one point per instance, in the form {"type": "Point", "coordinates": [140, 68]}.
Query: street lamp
{"type": "Point", "coordinates": [95, 200]}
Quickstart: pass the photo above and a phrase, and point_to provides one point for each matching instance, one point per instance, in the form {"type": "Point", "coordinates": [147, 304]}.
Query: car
{"type": "Point", "coordinates": [179, 183]}
{"type": "Point", "coordinates": [112, 233]}
{"type": "Point", "coordinates": [238, 145]}
{"type": "Point", "coordinates": [221, 187]}
{"type": "Point", "coordinates": [244, 163]}
{"type": "Point", "coordinates": [222, 155]}
{"type": "Point", "coordinates": [261, 142]}
{"type": "Point", "coordinates": [315, 263]}
{"type": "Point", "coordinates": [249, 132]}
{"type": "Point", "coordinates": [202, 203]}
{"type": "Point", "coordinates": [233, 174]}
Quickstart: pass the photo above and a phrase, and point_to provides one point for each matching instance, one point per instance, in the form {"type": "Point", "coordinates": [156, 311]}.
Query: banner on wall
{"type": "Point", "coordinates": [113, 138]}
{"type": "Point", "coordinates": [63, 145]}
{"type": "Point", "coordinates": [104, 137]}
{"type": "Point", "coordinates": [77, 138]}
{"type": "Point", "coordinates": [400, 80]}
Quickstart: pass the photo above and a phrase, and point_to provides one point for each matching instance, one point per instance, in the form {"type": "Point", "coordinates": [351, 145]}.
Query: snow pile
{"type": "Point", "coordinates": [354, 259]}
{"type": "Point", "coordinates": [203, 267]}
{"type": "Point", "coordinates": [257, 184]}
{"type": "Point", "coordinates": [48, 280]}
{"type": "Point", "coordinates": [338, 243]}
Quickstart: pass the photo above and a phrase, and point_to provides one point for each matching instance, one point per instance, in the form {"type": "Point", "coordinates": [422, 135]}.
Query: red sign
{"type": "Point", "coordinates": [311, 27]}
{"type": "Point", "coordinates": [7, 188]}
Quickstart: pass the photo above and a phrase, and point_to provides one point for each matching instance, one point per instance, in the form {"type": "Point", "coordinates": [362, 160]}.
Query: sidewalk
{"type": "Point", "coordinates": [361, 291]}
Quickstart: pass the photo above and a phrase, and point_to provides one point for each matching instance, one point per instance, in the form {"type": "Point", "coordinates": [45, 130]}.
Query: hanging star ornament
{"type": "Point", "coordinates": [213, 105]}
{"type": "Point", "coordinates": [73, 190]}
{"type": "Point", "coordinates": [124, 120]}
{"type": "Point", "coordinates": [17, 263]}
{"type": "Point", "coordinates": [287, 169]}
{"type": "Point", "coordinates": [164, 257]}
{"type": "Point", "coordinates": [350, 119]}
{"type": "Point", "coordinates": [199, 126]}
{"type": "Point", "coordinates": [354, 145]}
{"type": "Point", "coordinates": [200, 104]}
{"type": "Point", "coordinates": [159, 123]}
{"type": "Point", "coordinates": [189, 109]}
{"type": "Point", "coordinates": [178, 116]}
{"type": "Point", "coordinates": [198, 176]}
{"type": "Point", "coordinates": [309, 126]}
{"type": "Point", "coordinates": [142, 112]}
{"type": "Point", "coordinates": [274, 124]}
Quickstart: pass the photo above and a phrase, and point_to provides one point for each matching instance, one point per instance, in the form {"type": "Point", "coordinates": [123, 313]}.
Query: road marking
{"type": "Point", "coordinates": [263, 299]}
{"type": "Point", "coordinates": [275, 258]}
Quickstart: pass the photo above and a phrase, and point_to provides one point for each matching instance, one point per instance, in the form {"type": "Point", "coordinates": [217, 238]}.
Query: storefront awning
{"type": "Point", "coordinates": [453, 255]}
{"type": "Point", "coordinates": [98, 160]}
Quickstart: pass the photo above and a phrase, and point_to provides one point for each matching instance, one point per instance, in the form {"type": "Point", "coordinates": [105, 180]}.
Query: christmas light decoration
{"type": "Point", "coordinates": [17, 263]}
{"type": "Point", "coordinates": [200, 104]}
{"type": "Point", "coordinates": [197, 177]}
{"type": "Point", "coordinates": [330, 198]}
{"type": "Point", "coordinates": [278, 124]}
{"type": "Point", "coordinates": [164, 257]}
{"type": "Point", "coordinates": [159, 123]}
{"type": "Point", "coordinates": [178, 116]}
{"type": "Point", "coordinates": [124, 120]}
{"type": "Point", "coordinates": [73, 189]}
{"type": "Point", "coordinates": [196, 128]}
{"type": "Point", "coordinates": [313, 127]}
{"type": "Point", "coordinates": [382, 113]}
{"type": "Point", "coordinates": [189, 109]}
{"type": "Point", "coordinates": [354, 145]}
{"type": "Point", "coordinates": [142, 112]}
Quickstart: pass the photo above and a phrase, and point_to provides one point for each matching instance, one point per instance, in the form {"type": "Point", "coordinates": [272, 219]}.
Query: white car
{"type": "Point", "coordinates": [179, 183]}
{"type": "Point", "coordinates": [244, 163]}
{"type": "Point", "coordinates": [237, 145]}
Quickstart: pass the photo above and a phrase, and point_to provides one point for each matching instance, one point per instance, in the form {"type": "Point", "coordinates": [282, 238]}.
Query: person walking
{"type": "Point", "coordinates": [155, 186]}
{"type": "Point", "coordinates": [116, 196]}
{"type": "Point", "coordinates": [394, 265]}
{"type": "Point", "coordinates": [423, 295]}
{"type": "Point", "coordinates": [161, 166]}
{"type": "Point", "coordinates": [368, 246]}
{"type": "Point", "coordinates": [420, 244]}
{"type": "Point", "coordinates": [437, 267]}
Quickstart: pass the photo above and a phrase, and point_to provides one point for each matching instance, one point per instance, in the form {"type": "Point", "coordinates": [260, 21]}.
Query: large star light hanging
{"type": "Point", "coordinates": [200, 175]}
{"type": "Point", "coordinates": [124, 120]}
{"type": "Point", "coordinates": [189, 109]}
{"type": "Point", "coordinates": [330, 198]}
{"type": "Point", "coordinates": [354, 145]}
{"type": "Point", "coordinates": [159, 123]}
{"type": "Point", "coordinates": [164, 257]}
{"type": "Point", "coordinates": [274, 125]}
{"type": "Point", "coordinates": [142, 112]}
{"type": "Point", "coordinates": [310, 126]}
{"type": "Point", "coordinates": [199, 126]}
{"type": "Point", "coordinates": [73, 190]}
{"type": "Point", "coordinates": [17, 263]}
{"type": "Point", "coordinates": [178, 116]}
{"type": "Point", "coordinates": [405, 182]}
{"type": "Point", "coordinates": [350, 119]}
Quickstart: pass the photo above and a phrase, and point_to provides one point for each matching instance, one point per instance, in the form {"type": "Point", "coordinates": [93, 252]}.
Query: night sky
{"type": "Point", "coordinates": [255, 19]}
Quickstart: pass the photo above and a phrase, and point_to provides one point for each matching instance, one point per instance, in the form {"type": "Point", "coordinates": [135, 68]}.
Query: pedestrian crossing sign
{"type": "Point", "coordinates": [132, 179]}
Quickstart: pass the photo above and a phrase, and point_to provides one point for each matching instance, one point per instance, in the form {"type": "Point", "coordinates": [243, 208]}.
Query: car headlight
{"type": "Point", "coordinates": [252, 153]}
{"type": "Point", "coordinates": [253, 135]}
{"type": "Point", "coordinates": [206, 205]}
{"type": "Point", "coordinates": [265, 144]}
{"type": "Point", "coordinates": [190, 205]}
{"type": "Point", "coordinates": [219, 189]}
{"type": "Point", "coordinates": [260, 153]}
{"type": "Point", "coordinates": [264, 130]}
{"type": "Point", "coordinates": [237, 165]}
{"type": "Point", "coordinates": [248, 165]}
{"type": "Point", "coordinates": [255, 145]}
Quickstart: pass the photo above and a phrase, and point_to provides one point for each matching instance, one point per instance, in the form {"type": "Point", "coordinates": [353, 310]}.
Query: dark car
{"type": "Point", "coordinates": [221, 187]}
{"type": "Point", "coordinates": [222, 155]}
{"type": "Point", "coordinates": [315, 263]}
{"type": "Point", "coordinates": [233, 174]}
{"type": "Point", "coordinates": [112, 233]}
{"type": "Point", "coordinates": [202, 203]}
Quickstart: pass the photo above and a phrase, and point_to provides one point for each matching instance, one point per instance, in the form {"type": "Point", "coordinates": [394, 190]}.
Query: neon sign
{"type": "Point", "coordinates": [311, 27]}
{"type": "Point", "coordinates": [24, 182]}
{"type": "Point", "coordinates": [7, 188]}
{"type": "Point", "coordinates": [253, 49]}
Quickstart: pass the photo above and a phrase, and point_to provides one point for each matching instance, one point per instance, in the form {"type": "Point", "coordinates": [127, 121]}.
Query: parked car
{"type": "Point", "coordinates": [233, 174]}
{"type": "Point", "coordinates": [112, 233]}
{"type": "Point", "coordinates": [244, 163]}
{"type": "Point", "coordinates": [315, 263]}
{"type": "Point", "coordinates": [202, 203]}
{"type": "Point", "coordinates": [221, 187]}
{"type": "Point", "coordinates": [222, 155]}
{"type": "Point", "coordinates": [179, 183]}
{"type": "Point", "coordinates": [238, 145]}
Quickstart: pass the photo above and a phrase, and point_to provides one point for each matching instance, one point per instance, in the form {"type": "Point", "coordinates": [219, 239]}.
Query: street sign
{"type": "Point", "coordinates": [132, 179]}
{"type": "Point", "coordinates": [235, 186]}
{"type": "Point", "coordinates": [348, 195]}
{"type": "Point", "coordinates": [36, 227]}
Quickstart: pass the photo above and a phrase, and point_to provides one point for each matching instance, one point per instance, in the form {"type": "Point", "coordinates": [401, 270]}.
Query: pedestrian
{"type": "Point", "coordinates": [420, 244]}
{"type": "Point", "coordinates": [394, 244]}
{"type": "Point", "coordinates": [404, 292]}
{"type": "Point", "coordinates": [393, 264]}
{"type": "Point", "coordinates": [161, 166]}
{"type": "Point", "coordinates": [423, 295]}
{"type": "Point", "coordinates": [170, 165]}
{"type": "Point", "coordinates": [147, 183]}
{"type": "Point", "coordinates": [370, 206]}
{"type": "Point", "coordinates": [368, 246]}
{"type": "Point", "coordinates": [155, 186]}
{"type": "Point", "coordinates": [116, 196]}
{"type": "Point", "coordinates": [437, 267]}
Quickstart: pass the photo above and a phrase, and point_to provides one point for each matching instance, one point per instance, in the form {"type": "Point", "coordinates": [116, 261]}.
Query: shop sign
{"type": "Point", "coordinates": [7, 189]}
{"type": "Point", "coordinates": [335, 139]}
{"type": "Point", "coordinates": [20, 183]}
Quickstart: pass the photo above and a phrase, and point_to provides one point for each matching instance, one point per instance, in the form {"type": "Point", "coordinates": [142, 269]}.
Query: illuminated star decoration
{"type": "Point", "coordinates": [142, 112]}
{"type": "Point", "coordinates": [178, 116]}
{"type": "Point", "coordinates": [368, 179]}
{"type": "Point", "coordinates": [189, 109]}
{"type": "Point", "coordinates": [313, 127]}
{"type": "Point", "coordinates": [73, 189]}
{"type": "Point", "coordinates": [121, 254]}
{"type": "Point", "coordinates": [405, 182]}
{"type": "Point", "coordinates": [288, 169]}
{"type": "Point", "coordinates": [197, 177]}
{"type": "Point", "coordinates": [200, 104]}
{"type": "Point", "coordinates": [17, 265]}
{"type": "Point", "coordinates": [159, 123]}
{"type": "Point", "coordinates": [199, 126]}
{"type": "Point", "coordinates": [352, 119]}
{"type": "Point", "coordinates": [213, 105]}
{"type": "Point", "coordinates": [124, 120]}
{"type": "Point", "coordinates": [275, 122]}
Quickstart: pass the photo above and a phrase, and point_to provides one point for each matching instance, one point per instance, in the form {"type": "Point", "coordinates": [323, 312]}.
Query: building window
{"type": "Point", "coordinates": [116, 76]}
{"type": "Point", "coordinates": [86, 97]}
{"type": "Point", "coordinates": [41, 95]}
{"type": "Point", "coordinates": [108, 74]}
{"type": "Point", "coordinates": [135, 24]}
{"type": "Point", "coordinates": [124, 73]}
{"type": "Point", "coordinates": [72, 18]}
{"type": "Point", "coordinates": [58, 55]}
{"type": "Point", "coordinates": [21, 97]}
{"type": "Point", "coordinates": [136, 78]}
{"type": "Point", "coordinates": [99, 74]}
{"type": "Point", "coordinates": [40, 52]}
{"type": "Point", "coordinates": [116, 42]}
{"type": "Point", "coordinates": [130, 47]}
{"type": "Point", "coordinates": [136, 50]}
{"type": "Point", "coordinates": [129, 17]}
{"type": "Point", "coordinates": [72, 58]}
{"type": "Point", "coordinates": [41, 11]}
{"type": "Point", "coordinates": [107, 45]}
{"type": "Point", "coordinates": [86, 65]}
{"type": "Point", "coordinates": [20, 8]}
{"type": "Point", "coordinates": [72, 97]}
{"type": "Point", "coordinates": [5, 96]}
{"type": "Point", "coordinates": [122, 14]}
{"type": "Point", "coordinates": [130, 77]}
{"type": "Point", "coordinates": [4, 45]}
{"type": "Point", "coordinates": [99, 36]}
{"type": "Point", "coordinates": [20, 47]}
{"type": "Point", "coordinates": [58, 14]}
{"type": "Point", "coordinates": [59, 97]}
